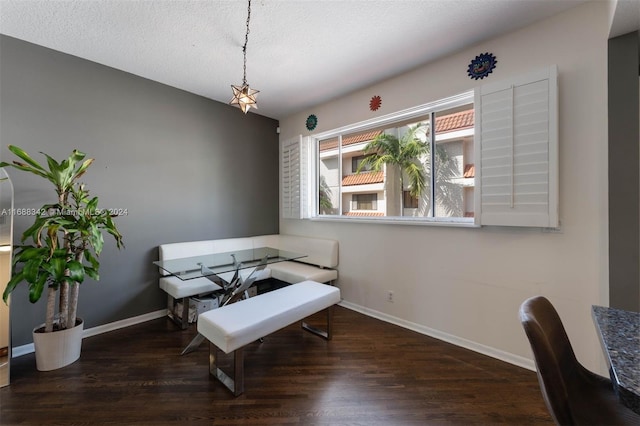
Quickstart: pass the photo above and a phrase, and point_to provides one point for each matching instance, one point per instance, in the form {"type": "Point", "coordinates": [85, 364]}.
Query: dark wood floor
{"type": "Point", "coordinates": [371, 373]}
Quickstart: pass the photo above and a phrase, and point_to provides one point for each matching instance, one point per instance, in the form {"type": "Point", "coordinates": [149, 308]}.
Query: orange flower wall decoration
{"type": "Point", "coordinates": [375, 102]}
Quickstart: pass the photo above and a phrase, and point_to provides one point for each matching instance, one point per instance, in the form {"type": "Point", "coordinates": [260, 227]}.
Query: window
{"type": "Point", "coordinates": [392, 160]}
{"type": "Point", "coordinates": [364, 202]}
{"type": "Point", "coordinates": [357, 162]}
{"type": "Point", "coordinates": [488, 157]}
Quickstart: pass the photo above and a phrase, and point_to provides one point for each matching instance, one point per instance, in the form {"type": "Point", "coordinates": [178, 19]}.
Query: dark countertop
{"type": "Point", "coordinates": [620, 336]}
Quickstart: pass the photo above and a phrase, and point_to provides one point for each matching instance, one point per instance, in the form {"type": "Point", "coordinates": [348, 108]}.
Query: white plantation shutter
{"type": "Point", "coordinates": [294, 172]}
{"type": "Point", "coordinates": [517, 151]}
{"type": "Point", "coordinates": [305, 176]}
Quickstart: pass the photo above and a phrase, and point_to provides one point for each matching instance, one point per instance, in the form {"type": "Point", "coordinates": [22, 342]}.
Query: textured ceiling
{"type": "Point", "coordinates": [300, 52]}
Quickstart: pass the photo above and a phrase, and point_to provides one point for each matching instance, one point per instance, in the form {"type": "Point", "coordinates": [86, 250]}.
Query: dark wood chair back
{"type": "Point", "coordinates": [573, 394]}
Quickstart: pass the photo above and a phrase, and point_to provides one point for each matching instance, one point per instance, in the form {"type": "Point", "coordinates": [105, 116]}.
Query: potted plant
{"type": "Point", "coordinates": [58, 251]}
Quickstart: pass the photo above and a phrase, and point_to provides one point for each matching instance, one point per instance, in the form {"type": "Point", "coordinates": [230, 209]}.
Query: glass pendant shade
{"type": "Point", "coordinates": [244, 97]}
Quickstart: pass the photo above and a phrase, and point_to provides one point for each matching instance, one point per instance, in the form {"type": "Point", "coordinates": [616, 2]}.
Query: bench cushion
{"type": "Point", "coordinates": [293, 272]}
{"type": "Point", "coordinates": [233, 326]}
{"type": "Point", "coordinates": [178, 288]}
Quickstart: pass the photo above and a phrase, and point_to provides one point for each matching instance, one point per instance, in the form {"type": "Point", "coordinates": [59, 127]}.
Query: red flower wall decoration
{"type": "Point", "coordinates": [375, 103]}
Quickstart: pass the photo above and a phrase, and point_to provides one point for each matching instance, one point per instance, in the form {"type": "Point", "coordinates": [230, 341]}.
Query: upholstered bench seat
{"type": "Point", "coordinates": [179, 289]}
{"type": "Point", "coordinates": [292, 272]}
{"type": "Point", "coordinates": [231, 327]}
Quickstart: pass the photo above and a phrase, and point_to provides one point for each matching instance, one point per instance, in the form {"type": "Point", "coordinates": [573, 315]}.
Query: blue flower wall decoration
{"type": "Point", "coordinates": [312, 122]}
{"type": "Point", "coordinates": [482, 65]}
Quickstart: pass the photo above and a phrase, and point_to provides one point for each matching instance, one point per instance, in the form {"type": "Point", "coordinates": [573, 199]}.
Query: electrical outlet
{"type": "Point", "coordinates": [390, 296]}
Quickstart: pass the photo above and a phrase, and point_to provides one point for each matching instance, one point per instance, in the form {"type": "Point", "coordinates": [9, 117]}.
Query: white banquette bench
{"type": "Point", "coordinates": [233, 326]}
{"type": "Point", "coordinates": [319, 264]}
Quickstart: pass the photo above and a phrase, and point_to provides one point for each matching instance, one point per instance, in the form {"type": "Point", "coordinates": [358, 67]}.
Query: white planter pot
{"type": "Point", "coordinates": [59, 348]}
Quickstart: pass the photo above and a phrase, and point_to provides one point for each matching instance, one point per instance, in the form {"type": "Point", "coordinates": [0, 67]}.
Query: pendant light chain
{"type": "Point", "coordinates": [244, 48]}
{"type": "Point", "coordinates": [244, 96]}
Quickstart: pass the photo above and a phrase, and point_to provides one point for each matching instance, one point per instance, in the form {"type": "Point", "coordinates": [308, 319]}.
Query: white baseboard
{"type": "Point", "coordinates": [449, 338]}
{"type": "Point", "coordinates": [93, 331]}
{"type": "Point", "coordinates": [22, 350]}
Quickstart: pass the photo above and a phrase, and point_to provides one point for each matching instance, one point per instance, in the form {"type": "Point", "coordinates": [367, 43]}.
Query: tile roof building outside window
{"type": "Point", "coordinates": [341, 187]}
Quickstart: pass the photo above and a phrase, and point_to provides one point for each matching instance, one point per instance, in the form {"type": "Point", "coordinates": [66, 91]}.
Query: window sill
{"type": "Point", "coordinates": [457, 222]}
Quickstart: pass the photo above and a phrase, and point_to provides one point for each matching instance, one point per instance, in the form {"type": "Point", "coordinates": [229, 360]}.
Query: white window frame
{"type": "Point", "coordinates": [387, 120]}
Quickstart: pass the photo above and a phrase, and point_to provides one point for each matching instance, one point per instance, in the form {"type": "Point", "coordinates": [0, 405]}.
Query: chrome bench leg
{"type": "Point", "coordinates": [182, 322]}
{"type": "Point", "coordinates": [236, 383]}
{"type": "Point", "coordinates": [325, 334]}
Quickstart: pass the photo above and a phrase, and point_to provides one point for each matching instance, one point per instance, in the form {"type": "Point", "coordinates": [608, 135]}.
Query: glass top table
{"type": "Point", "coordinates": [219, 263]}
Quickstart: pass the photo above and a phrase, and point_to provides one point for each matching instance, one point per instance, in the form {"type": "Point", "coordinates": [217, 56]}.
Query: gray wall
{"type": "Point", "coordinates": [624, 172]}
{"type": "Point", "coordinates": [184, 167]}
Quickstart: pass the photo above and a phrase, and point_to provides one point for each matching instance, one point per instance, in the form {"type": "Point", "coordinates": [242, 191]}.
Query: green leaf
{"type": "Point", "coordinates": [31, 269]}
{"type": "Point", "coordinates": [52, 163]}
{"type": "Point", "coordinates": [92, 260]}
{"type": "Point", "coordinates": [11, 285]}
{"type": "Point", "coordinates": [76, 271]}
{"type": "Point", "coordinates": [83, 168]}
{"type": "Point", "coordinates": [26, 253]}
{"type": "Point", "coordinates": [78, 156]}
{"type": "Point", "coordinates": [24, 167]}
{"type": "Point", "coordinates": [56, 268]}
{"type": "Point", "coordinates": [61, 173]}
{"type": "Point", "coordinates": [92, 205]}
{"type": "Point", "coordinates": [35, 289]}
{"type": "Point", "coordinates": [25, 157]}
{"type": "Point", "coordinates": [92, 273]}
{"type": "Point", "coordinates": [96, 239]}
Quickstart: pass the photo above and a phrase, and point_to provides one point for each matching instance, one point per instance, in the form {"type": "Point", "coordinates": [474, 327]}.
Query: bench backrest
{"type": "Point", "coordinates": [186, 249]}
{"type": "Point", "coordinates": [321, 252]}
{"type": "Point", "coordinates": [201, 248]}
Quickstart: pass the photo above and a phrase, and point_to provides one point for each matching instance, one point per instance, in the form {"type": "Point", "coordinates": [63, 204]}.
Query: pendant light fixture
{"type": "Point", "coordinates": [244, 96]}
